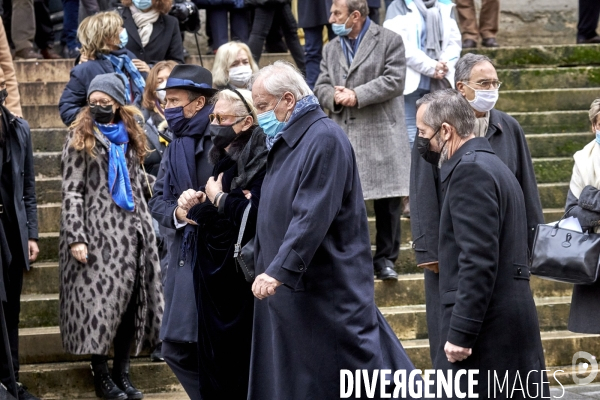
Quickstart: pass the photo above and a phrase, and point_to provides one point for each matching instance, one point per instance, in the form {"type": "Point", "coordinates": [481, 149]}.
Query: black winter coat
{"type": "Point", "coordinates": [74, 95]}
{"type": "Point", "coordinates": [312, 13]}
{"type": "Point", "coordinates": [23, 199]}
{"type": "Point", "coordinates": [508, 142]}
{"type": "Point", "coordinates": [586, 298]}
{"type": "Point", "coordinates": [486, 302]}
{"type": "Point", "coordinates": [164, 44]}
{"type": "Point", "coordinates": [157, 148]}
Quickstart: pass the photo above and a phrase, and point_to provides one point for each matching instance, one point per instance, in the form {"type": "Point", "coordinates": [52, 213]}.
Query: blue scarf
{"type": "Point", "coordinates": [119, 184]}
{"type": "Point", "coordinates": [350, 47]}
{"type": "Point", "coordinates": [303, 106]}
{"type": "Point", "coordinates": [122, 63]}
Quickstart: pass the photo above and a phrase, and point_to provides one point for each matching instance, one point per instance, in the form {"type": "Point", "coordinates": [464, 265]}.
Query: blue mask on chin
{"type": "Point", "coordinates": [123, 38]}
{"type": "Point", "coordinates": [269, 122]}
{"type": "Point", "coordinates": [340, 29]}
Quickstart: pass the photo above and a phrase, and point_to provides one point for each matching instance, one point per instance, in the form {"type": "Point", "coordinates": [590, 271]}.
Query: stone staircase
{"type": "Point", "coordinates": [547, 89]}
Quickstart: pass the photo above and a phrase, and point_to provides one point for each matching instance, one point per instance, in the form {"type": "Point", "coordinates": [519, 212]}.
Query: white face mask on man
{"type": "Point", "coordinates": [484, 100]}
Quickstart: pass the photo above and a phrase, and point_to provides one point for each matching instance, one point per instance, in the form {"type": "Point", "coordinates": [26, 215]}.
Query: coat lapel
{"type": "Point", "coordinates": [365, 48]}
{"type": "Point", "coordinates": [340, 55]}
{"type": "Point", "coordinates": [157, 30]}
{"type": "Point", "coordinates": [131, 27]}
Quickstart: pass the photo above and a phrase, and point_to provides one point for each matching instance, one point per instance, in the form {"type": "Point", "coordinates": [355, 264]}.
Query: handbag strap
{"type": "Point", "coordinates": [564, 215]}
{"type": "Point", "coordinates": [238, 245]}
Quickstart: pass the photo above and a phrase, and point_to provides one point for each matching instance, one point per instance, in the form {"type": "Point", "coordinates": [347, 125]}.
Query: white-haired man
{"type": "Point", "coordinates": [361, 82]}
{"type": "Point", "coordinates": [313, 255]}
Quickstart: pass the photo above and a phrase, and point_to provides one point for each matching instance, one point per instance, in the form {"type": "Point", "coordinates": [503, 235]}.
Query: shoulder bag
{"type": "Point", "coordinates": [244, 256]}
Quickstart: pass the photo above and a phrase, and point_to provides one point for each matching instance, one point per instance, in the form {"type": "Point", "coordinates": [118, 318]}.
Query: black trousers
{"type": "Point", "coordinates": [387, 224]}
{"type": "Point", "coordinates": [13, 279]}
{"type": "Point", "coordinates": [182, 358]}
{"type": "Point", "coordinates": [589, 12]}
{"type": "Point", "coordinates": [263, 19]}
{"type": "Point", "coordinates": [44, 34]}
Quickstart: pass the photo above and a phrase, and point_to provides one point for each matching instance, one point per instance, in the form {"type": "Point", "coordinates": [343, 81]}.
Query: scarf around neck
{"type": "Point", "coordinates": [350, 47]}
{"type": "Point", "coordinates": [119, 183]}
{"type": "Point", "coordinates": [430, 11]}
{"type": "Point", "coordinates": [251, 160]}
{"type": "Point", "coordinates": [122, 63]}
{"type": "Point", "coordinates": [303, 106]}
{"type": "Point", "coordinates": [144, 22]}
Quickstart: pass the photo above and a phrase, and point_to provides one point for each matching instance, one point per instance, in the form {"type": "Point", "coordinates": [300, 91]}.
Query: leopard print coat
{"type": "Point", "coordinates": [122, 255]}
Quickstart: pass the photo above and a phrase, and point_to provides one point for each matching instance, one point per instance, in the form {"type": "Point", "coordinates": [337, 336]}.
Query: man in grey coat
{"type": "Point", "coordinates": [361, 83]}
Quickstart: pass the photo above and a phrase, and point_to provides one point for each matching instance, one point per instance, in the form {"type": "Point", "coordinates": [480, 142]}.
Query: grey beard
{"type": "Point", "coordinates": [443, 157]}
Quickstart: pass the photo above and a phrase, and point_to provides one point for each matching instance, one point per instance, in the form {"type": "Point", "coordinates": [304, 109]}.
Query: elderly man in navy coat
{"type": "Point", "coordinates": [316, 314]}
{"type": "Point", "coordinates": [484, 278]}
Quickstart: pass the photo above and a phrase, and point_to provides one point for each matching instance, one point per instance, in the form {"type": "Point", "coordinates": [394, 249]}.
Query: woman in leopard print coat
{"type": "Point", "coordinates": [110, 286]}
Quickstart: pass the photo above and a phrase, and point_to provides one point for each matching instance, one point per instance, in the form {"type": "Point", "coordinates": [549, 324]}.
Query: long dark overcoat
{"type": "Point", "coordinates": [508, 142]}
{"type": "Point", "coordinates": [486, 301]}
{"type": "Point", "coordinates": [180, 320]}
{"type": "Point", "coordinates": [165, 40]}
{"type": "Point", "coordinates": [23, 180]}
{"type": "Point", "coordinates": [312, 13]}
{"type": "Point", "coordinates": [312, 235]}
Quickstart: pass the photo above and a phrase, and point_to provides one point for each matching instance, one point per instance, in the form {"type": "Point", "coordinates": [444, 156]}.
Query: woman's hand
{"type": "Point", "coordinates": [80, 252]}
{"type": "Point", "coordinates": [213, 187]}
{"type": "Point", "coordinates": [140, 65]}
{"type": "Point", "coordinates": [189, 199]}
{"type": "Point", "coordinates": [247, 194]}
{"type": "Point", "coordinates": [441, 69]}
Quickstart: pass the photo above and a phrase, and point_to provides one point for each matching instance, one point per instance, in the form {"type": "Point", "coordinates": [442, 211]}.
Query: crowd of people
{"type": "Point", "coordinates": [170, 170]}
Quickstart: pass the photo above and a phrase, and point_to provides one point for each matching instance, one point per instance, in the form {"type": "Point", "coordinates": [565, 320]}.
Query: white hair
{"type": "Point", "coordinates": [281, 77]}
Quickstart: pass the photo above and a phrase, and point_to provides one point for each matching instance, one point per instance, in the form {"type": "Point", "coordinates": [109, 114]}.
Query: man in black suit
{"type": "Point", "coordinates": [589, 12]}
{"type": "Point", "coordinates": [484, 278]}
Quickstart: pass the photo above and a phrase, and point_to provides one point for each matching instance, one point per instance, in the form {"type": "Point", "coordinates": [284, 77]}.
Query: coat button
{"type": "Point", "coordinates": [181, 263]}
{"type": "Point", "coordinates": [467, 153]}
{"type": "Point", "coordinates": [300, 267]}
{"type": "Point", "coordinates": [414, 246]}
{"type": "Point", "coordinates": [519, 271]}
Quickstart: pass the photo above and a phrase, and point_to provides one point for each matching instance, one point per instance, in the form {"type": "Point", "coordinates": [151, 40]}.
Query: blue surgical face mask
{"type": "Point", "coordinates": [123, 38]}
{"type": "Point", "coordinates": [340, 29]}
{"type": "Point", "coordinates": [598, 136]}
{"type": "Point", "coordinates": [269, 123]}
{"type": "Point", "coordinates": [142, 4]}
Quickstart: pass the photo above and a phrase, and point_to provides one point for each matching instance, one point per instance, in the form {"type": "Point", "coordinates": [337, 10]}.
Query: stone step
{"type": "Point", "coordinates": [49, 217]}
{"type": "Point", "coordinates": [71, 380]}
{"type": "Point", "coordinates": [42, 279]}
{"type": "Point", "coordinates": [409, 322]}
{"type": "Point", "coordinates": [553, 195]}
{"type": "Point", "coordinates": [557, 144]}
{"type": "Point", "coordinates": [553, 121]}
{"type": "Point", "coordinates": [409, 290]}
{"type": "Point", "coordinates": [538, 56]}
{"type": "Point", "coordinates": [559, 347]}
{"type": "Point", "coordinates": [43, 116]}
{"type": "Point", "coordinates": [46, 92]}
{"type": "Point", "coordinates": [48, 244]}
{"type": "Point", "coordinates": [43, 70]}
{"type": "Point", "coordinates": [48, 190]}
{"type": "Point", "coordinates": [553, 169]}
{"type": "Point", "coordinates": [47, 164]}
{"type": "Point", "coordinates": [543, 78]}
{"type": "Point", "coordinates": [39, 310]}
{"type": "Point", "coordinates": [546, 100]}
{"type": "Point", "coordinates": [49, 140]}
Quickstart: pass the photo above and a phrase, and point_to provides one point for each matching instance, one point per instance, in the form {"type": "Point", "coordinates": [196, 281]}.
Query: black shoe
{"type": "Point", "coordinates": [469, 44]}
{"type": "Point", "coordinates": [490, 42]}
{"type": "Point", "coordinates": [386, 273]}
{"type": "Point", "coordinates": [156, 355]}
{"type": "Point", "coordinates": [70, 53]}
{"type": "Point", "coordinates": [595, 39]}
{"type": "Point", "coordinates": [123, 382]}
{"type": "Point", "coordinates": [24, 394]}
{"type": "Point", "coordinates": [104, 385]}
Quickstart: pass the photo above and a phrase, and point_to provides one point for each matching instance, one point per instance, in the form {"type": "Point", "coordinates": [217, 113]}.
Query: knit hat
{"type": "Point", "coordinates": [111, 84]}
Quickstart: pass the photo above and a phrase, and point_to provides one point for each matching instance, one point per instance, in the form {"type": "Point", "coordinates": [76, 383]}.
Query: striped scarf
{"type": "Point", "coordinates": [348, 47]}
{"type": "Point", "coordinates": [122, 64]}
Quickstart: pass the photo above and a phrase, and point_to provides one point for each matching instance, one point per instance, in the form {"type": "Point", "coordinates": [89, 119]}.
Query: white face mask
{"type": "Point", "coordinates": [161, 93]}
{"type": "Point", "coordinates": [239, 76]}
{"type": "Point", "coordinates": [484, 100]}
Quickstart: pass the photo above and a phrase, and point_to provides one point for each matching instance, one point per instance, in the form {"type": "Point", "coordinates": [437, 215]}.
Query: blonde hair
{"type": "Point", "coordinates": [99, 33]}
{"type": "Point", "coordinates": [225, 56]}
{"type": "Point", "coordinates": [594, 111]}
{"type": "Point", "coordinates": [239, 108]}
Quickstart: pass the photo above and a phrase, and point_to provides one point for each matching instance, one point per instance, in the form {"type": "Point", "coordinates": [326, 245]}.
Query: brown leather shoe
{"type": "Point", "coordinates": [595, 39]}
{"type": "Point", "coordinates": [469, 44]}
{"type": "Point", "coordinates": [50, 54]}
{"type": "Point", "coordinates": [28, 54]}
{"type": "Point", "coordinates": [489, 42]}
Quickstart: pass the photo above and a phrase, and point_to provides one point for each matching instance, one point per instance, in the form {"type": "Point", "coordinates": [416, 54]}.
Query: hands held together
{"type": "Point", "coordinates": [344, 96]}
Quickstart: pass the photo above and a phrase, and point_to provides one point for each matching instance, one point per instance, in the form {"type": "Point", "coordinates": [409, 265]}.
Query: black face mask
{"type": "Point", "coordinates": [428, 155]}
{"type": "Point", "coordinates": [3, 95]}
{"type": "Point", "coordinates": [102, 114]}
{"type": "Point", "coordinates": [222, 136]}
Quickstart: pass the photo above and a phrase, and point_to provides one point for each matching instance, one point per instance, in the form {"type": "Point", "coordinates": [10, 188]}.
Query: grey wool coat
{"type": "Point", "coordinates": [375, 126]}
{"type": "Point", "coordinates": [122, 255]}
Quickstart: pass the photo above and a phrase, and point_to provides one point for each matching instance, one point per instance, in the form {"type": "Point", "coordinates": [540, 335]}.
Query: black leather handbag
{"type": "Point", "coordinates": [244, 256]}
{"type": "Point", "coordinates": [564, 255]}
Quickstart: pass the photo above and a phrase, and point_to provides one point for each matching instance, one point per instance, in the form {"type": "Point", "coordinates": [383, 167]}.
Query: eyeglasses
{"type": "Point", "coordinates": [101, 103]}
{"type": "Point", "coordinates": [487, 85]}
{"type": "Point", "coordinates": [221, 117]}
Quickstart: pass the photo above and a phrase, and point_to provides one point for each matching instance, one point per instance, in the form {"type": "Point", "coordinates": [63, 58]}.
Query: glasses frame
{"type": "Point", "coordinates": [100, 104]}
{"type": "Point", "coordinates": [219, 117]}
{"type": "Point", "coordinates": [499, 83]}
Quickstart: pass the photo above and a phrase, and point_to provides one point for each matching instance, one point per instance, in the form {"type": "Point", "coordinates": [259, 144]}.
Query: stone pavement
{"type": "Point", "coordinates": [576, 392]}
